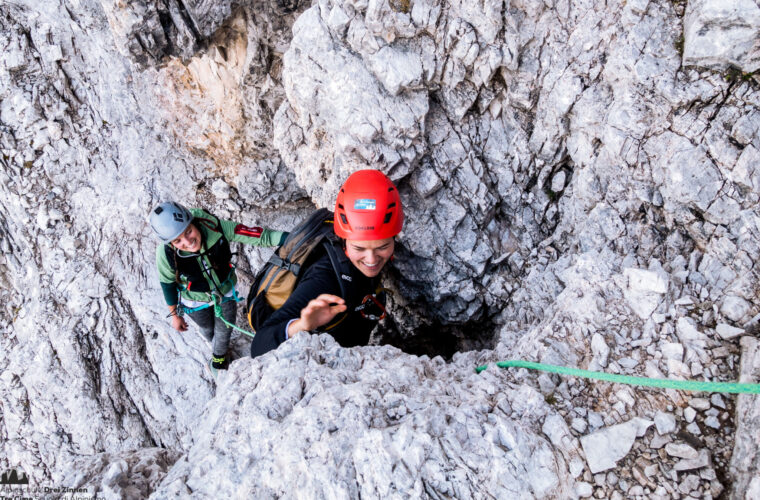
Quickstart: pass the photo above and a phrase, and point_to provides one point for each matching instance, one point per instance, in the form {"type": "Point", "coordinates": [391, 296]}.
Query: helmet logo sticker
{"type": "Point", "coordinates": [365, 204]}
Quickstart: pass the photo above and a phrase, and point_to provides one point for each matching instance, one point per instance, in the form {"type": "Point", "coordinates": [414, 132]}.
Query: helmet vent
{"type": "Point", "coordinates": [390, 189]}
{"type": "Point", "coordinates": [343, 218]}
{"type": "Point", "coordinates": [340, 206]}
{"type": "Point", "coordinates": [158, 210]}
{"type": "Point", "coordinates": [387, 218]}
{"type": "Point", "coordinates": [391, 205]}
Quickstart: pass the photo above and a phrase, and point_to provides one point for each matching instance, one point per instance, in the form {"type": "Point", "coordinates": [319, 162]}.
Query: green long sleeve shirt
{"type": "Point", "coordinates": [232, 231]}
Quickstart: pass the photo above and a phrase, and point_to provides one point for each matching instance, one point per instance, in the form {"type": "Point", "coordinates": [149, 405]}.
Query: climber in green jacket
{"type": "Point", "coordinates": [194, 266]}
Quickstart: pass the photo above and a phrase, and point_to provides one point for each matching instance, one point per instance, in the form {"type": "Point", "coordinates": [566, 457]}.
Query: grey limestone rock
{"type": "Point", "coordinates": [135, 474]}
{"type": "Point", "coordinates": [701, 404]}
{"type": "Point", "coordinates": [604, 448]}
{"type": "Point", "coordinates": [744, 459]}
{"type": "Point", "coordinates": [690, 414]}
{"type": "Point", "coordinates": [569, 179]}
{"type": "Point", "coordinates": [720, 33]}
{"type": "Point", "coordinates": [583, 489]}
{"type": "Point", "coordinates": [379, 433]}
{"type": "Point", "coordinates": [727, 331]}
{"type": "Point", "coordinates": [681, 451]}
{"type": "Point", "coordinates": [702, 460]}
{"type": "Point", "coordinates": [644, 290]}
{"type": "Point", "coordinates": [150, 32]}
{"type": "Point", "coordinates": [665, 422]}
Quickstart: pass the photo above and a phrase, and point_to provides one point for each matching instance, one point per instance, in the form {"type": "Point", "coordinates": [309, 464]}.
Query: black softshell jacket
{"type": "Point", "coordinates": [318, 278]}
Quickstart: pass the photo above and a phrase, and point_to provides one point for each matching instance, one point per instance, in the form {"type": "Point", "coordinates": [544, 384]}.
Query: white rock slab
{"type": "Point", "coordinates": [665, 422]}
{"type": "Point", "coordinates": [601, 351]}
{"type": "Point", "coordinates": [690, 414]}
{"type": "Point", "coordinates": [745, 459]}
{"type": "Point", "coordinates": [727, 332]}
{"type": "Point", "coordinates": [644, 290]}
{"type": "Point", "coordinates": [583, 489]}
{"type": "Point", "coordinates": [703, 460]}
{"type": "Point", "coordinates": [672, 350]}
{"type": "Point", "coordinates": [700, 404]}
{"type": "Point", "coordinates": [220, 189]}
{"type": "Point", "coordinates": [605, 447]}
{"type": "Point", "coordinates": [735, 308]}
{"type": "Point", "coordinates": [689, 335]}
{"type": "Point", "coordinates": [681, 450]}
{"type": "Point", "coordinates": [719, 33]}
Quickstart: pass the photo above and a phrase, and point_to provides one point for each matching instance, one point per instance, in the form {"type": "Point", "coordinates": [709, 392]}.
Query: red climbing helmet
{"type": "Point", "coordinates": [368, 207]}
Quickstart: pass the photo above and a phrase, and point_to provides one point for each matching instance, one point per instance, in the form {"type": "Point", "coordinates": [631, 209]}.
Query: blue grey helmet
{"type": "Point", "coordinates": [169, 220]}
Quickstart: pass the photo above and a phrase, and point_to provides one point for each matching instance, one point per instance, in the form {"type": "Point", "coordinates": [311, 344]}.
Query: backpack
{"type": "Point", "coordinates": [278, 278]}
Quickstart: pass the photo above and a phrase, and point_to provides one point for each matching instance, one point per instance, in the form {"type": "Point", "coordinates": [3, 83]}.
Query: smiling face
{"type": "Point", "coordinates": [189, 240]}
{"type": "Point", "coordinates": [369, 257]}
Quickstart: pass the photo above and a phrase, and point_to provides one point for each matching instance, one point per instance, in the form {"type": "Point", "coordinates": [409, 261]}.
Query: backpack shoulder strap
{"type": "Point", "coordinates": [277, 279]}
{"type": "Point", "coordinates": [213, 223]}
{"type": "Point", "coordinates": [342, 267]}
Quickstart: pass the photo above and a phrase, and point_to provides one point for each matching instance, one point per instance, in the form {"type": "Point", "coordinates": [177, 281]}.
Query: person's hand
{"type": "Point", "coordinates": [179, 323]}
{"type": "Point", "coordinates": [317, 312]}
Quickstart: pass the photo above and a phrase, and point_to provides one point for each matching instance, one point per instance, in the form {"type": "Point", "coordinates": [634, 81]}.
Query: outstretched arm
{"type": "Point", "coordinates": [252, 235]}
{"type": "Point", "coordinates": [317, 280]}
{"type": "Point", "coordinates": [169, 288]}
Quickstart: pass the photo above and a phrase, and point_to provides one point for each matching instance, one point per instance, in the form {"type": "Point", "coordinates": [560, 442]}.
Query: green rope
{"type": "Point", "coordinates": [217, 305]}
{"type": "Point", "coordinates": [219, 314]}
{"type": "Point", "coordinates": [682, 385]}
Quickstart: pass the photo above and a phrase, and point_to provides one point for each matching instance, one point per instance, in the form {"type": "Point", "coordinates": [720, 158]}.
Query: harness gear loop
{"type": "Point", "coordinates": [216, 302]}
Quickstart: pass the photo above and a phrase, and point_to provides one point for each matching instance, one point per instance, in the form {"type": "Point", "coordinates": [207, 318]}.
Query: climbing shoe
{"type": "Point", "coordinates": [220, 362]}
{"type": "Point", "coordinates": [217, 363]}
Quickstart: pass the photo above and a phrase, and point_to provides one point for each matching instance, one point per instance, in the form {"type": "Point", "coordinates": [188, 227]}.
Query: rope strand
{"type": "Point", "coordinates": [681, 385]}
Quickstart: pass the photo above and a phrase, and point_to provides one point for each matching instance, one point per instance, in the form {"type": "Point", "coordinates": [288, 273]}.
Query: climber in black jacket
{"type": "Point", "coordinates": [368, 216]}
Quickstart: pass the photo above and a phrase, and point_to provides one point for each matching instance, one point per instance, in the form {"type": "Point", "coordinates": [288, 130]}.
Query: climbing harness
{"type": "Point", "coordinates": [682, 385]}
{"type": "Point", "coordinates": [218, 313]}
{"type": "Point", "coordinates": [216, 303]}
